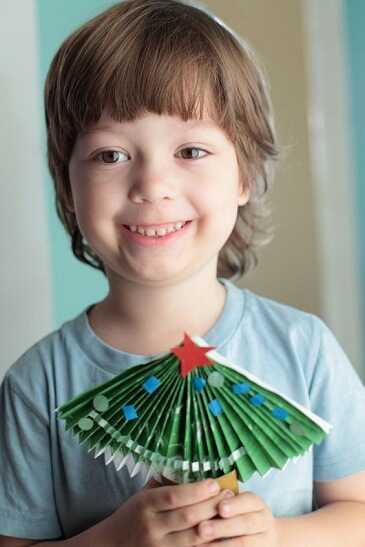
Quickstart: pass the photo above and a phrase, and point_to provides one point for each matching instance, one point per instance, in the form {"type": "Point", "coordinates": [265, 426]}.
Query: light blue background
{"type": "Point", "coordinates": [74, 285]}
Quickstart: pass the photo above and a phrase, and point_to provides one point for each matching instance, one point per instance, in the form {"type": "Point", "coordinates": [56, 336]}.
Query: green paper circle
{"type": "Point", "coordinates": [85, 424]}
{"type": "Point", "coordinates": [101, 403]}
{"type": "Point", "coordinates": [297, 429]}
{"type": "Point", "coordinates": [215, 379]}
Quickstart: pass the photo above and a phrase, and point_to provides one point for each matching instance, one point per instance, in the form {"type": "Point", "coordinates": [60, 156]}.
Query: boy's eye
{"type": "Point", "coordinates": [111, 156]}
{"type": "Point", "coordinates": [108, 156]}
{"type": "Point", "coordinates": [194, 148]}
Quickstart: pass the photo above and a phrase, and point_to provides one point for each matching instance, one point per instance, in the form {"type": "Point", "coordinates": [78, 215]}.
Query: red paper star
{"type": "Point", "coordinates": [191, 355]}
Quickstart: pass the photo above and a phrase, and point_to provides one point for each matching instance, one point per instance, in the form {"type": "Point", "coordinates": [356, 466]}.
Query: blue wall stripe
{"type": "Point", "coordinates": [74, 285]}
{"type": "Point", "coordinates": [354, 24]}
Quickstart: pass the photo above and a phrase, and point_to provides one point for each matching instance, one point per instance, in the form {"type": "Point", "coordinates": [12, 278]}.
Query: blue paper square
{"type": "Point", "coordinates": [257, 400]}
{"type": "Point", "coordinates": [279, 413]}
{"type": "Point", "coordinates": [215, 407]}
{"type": "Point", "coordinates": [239, 389]}
{"type": "Point", "coordinates": [151, 384]}
{"type": "Point", "coordinates": [199, 384]}
{"type": "Point", "coordinates": [130, 412]}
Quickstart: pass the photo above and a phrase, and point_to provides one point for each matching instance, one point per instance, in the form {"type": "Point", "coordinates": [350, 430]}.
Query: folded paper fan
{"type": "Point", "coordinates": [190, 415]}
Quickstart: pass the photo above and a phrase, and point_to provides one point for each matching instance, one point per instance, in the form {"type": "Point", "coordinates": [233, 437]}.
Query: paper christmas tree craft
{"type": "Point", "coordinates": [190, 415]}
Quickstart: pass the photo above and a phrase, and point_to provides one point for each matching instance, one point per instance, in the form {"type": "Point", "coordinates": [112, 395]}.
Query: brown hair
{"type": "Point", "coordinates": [166, 57]}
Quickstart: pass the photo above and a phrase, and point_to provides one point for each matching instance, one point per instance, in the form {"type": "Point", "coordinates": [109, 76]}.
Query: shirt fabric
{"type": "Point", "coordinates": [52, 487]}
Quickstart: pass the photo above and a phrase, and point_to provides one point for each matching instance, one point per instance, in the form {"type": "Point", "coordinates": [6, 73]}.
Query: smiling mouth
{"type": "Point", "coordinates": [157, 225]}
{"type": "Point", "coordinates": [184, 223]}
{"type": "Point", "coordinates": [154, 238]}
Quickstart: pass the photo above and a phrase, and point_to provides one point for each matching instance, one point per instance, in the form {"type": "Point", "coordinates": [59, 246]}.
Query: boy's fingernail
{"type": "Point", "coordinates": [213, 487]}
{"type": "Point", "coordinates": [228, 494]}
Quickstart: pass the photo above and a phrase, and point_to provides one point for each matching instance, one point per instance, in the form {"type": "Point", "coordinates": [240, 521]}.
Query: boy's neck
{"type": "Point", "coordinates": [160, 328]}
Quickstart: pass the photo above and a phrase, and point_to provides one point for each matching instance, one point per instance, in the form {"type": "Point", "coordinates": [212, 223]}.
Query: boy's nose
{"type": "Point", "coordinates": [153, 188]}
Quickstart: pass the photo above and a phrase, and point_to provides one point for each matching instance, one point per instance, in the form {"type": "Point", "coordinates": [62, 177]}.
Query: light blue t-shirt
{"type": "Point", "coordinates": [51, 487]}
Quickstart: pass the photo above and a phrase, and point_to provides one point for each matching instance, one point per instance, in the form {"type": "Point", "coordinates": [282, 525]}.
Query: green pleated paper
{"type": "Point", "coordinates": [176, 434]}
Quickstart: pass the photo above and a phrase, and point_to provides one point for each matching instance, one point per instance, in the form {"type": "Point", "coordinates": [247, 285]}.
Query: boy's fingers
{"type": "Point", "coordinates": [186, 538]}
{"type": "Point", "coordinates": [191, 515]}
{"type": "Point", "coordinates": [166, 498]}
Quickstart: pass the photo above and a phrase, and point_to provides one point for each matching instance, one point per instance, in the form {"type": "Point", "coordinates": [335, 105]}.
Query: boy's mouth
{"type": "Point", "coordinates": [169, 228]}
{"type": "Point", "coordinates": [155, 238]}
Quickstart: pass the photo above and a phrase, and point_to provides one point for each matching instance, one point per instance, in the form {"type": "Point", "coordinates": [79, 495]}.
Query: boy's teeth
{"type": "Point", "coordinates": [157, 231]}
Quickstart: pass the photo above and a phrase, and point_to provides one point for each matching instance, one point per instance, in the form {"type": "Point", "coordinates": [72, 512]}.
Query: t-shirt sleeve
{"type": "Point", "coordinates": [338, 396]}
{"type": "Point", "coordinates": [27, 504]}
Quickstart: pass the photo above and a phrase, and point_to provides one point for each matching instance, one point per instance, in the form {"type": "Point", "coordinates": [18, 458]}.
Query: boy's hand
{"type": "Point", "coordinates": [164, 517]}
{"type": "Point", "coordinates": [245, 521]}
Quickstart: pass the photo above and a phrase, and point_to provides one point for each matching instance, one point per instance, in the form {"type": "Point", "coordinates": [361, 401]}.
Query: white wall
{"type": "Point", "coordinates": [25, 294]}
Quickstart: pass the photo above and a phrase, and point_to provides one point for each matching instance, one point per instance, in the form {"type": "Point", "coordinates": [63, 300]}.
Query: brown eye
{"type": "Point", "coordinates": [108, 156]}
{"type": "Point", "coordinates": [195, 156]}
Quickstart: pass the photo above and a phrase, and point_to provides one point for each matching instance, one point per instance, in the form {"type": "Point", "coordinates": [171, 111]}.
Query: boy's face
{"type": "Point", "coordinates": [155, 170]}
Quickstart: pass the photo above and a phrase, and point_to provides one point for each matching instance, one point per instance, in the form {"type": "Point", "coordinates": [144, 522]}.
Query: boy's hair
{"type": "Point", "coordinates": [165, 57]}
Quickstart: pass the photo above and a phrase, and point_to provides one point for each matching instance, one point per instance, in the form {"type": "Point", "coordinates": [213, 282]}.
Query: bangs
{"type": "Point", "coordinates": [164, 65]}
{"type": "Point", "coordinates": [160, 88]}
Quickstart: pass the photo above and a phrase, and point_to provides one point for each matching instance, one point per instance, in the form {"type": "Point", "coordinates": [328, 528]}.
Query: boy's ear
{"type": "Point", "coordinates": [244, 195]}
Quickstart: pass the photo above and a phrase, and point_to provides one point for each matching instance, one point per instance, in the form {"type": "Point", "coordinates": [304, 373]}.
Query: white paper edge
{"type": "Point", "coordinates": [216, 356]}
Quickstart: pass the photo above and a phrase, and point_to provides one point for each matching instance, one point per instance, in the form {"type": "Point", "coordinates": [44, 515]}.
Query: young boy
{"type": "Point", "coordinates": [127, 96]}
